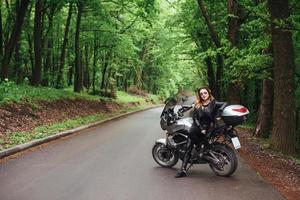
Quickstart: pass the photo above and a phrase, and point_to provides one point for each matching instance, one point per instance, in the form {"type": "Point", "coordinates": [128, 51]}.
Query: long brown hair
{"type": "Point", "coordinates": [199, 100]}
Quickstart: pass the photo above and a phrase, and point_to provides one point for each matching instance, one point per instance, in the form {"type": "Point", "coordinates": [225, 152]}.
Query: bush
{"type": "Point", "coordinates": [11, 92]}
{"type": "Point", "coordinates": [109, 94]}
{"type": "Point", "coordinates": [136, 91]}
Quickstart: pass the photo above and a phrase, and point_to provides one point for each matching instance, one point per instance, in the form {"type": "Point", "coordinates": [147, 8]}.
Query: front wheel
{"type": "Point", "coordinates": [225, 160]}
{"type": "Point", "coordinates": [164, 156]}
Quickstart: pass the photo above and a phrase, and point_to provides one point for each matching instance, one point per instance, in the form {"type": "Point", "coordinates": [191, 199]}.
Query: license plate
{"type": "Point", "coordinates": [236, 142]}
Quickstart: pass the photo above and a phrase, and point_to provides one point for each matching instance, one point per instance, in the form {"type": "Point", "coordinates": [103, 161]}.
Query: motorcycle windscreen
{"type": "Point", "coordinates": [170, 103]}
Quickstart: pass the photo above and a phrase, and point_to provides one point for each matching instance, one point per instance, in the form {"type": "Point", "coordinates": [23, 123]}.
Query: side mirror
{"type": "Point", "coordinates": [184, 98]}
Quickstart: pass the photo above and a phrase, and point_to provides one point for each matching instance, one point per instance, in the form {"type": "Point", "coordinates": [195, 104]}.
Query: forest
{"type": "Point", "coordinates": [246, 51]}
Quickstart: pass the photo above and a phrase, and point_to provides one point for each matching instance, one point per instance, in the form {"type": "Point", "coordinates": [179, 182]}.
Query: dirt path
{"type": "Point", "coordinates": [282, 172]}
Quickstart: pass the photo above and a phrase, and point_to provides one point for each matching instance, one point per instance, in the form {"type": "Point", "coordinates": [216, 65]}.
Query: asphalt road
{"type": "Point", "coordinates": [114, 161]}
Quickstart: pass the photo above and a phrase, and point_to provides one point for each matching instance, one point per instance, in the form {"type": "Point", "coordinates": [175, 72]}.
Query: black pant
{"type": "Point", "coordinates": [195, 137]}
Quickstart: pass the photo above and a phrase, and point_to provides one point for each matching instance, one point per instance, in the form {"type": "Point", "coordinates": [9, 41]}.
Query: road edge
{"type": "Point", "coordinates": [33, 143]}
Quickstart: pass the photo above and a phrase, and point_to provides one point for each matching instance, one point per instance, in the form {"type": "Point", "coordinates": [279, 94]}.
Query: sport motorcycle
{"type": "Point", "coordinates": [216, 150]}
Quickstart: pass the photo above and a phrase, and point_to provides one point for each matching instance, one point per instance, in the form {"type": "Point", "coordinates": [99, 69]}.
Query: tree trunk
{"type": "Point", "coordinates": [86, 74]}
{"type": "Point", "coordinates": [10, 16]}
{"type": "Point", "coordinates": [149, 86]}
{"type": "Point", "coordinates": [78, 70]}
{"type": "Point", "coordinates": [265, 111]}
{"type": "Point", "coordinates": [234, 90]}
{"type": "Point", "coordinates": [94, 65]}
{"type": "Point", "coordinates": [211, 28]}
{"type": "Point", "coordinates": [37, 32]}
{"type": "Point", "coordinates": [70, 75]}
{"type": "Point", "coordinates": [16, 32]}
{"type": "Point", "coordinates": [210, 75]}
{"type": "Point", "coordinates": [7, 4]}
{"type": "Point", "coordinates": [125, 85]}
{"type": "Point", "coordinates": [107, 58]}
{"type": "Point", "coordinates": [219, 76]}
{"type": "Point", "coordinates": [264, 121]}
{"type": "Point", "coordinates": [18, 69]}
{"type": "Point", "coordinates": [59, 80]}
{"type": "Point", "coordinates": [17, 56]}
{"type": "Point", "coordinates": [1, 32]}
{"type": "Point", "coordinates": [49, 47]}
{"type": "Point", "coordinates": [216, 40]}
{"type": "Point", "coordinates": [284, 113]}
{"type": "Point", "coordinates": [29, 39]}
{"type": "Point", "coordinates": [71, 66]}
{"type": "Point", "coordinates": [139, 67]}
{"type": "Point", "coordinates": [234, 94]}
{"type": "Point", "coordinates": [104, 69]}
{"type": "Point", "coordinates": [55, 59]}
{"type": "Point", "coordinates": [233, 25]}
{"type": "Point", "coordinates": [48, 62]}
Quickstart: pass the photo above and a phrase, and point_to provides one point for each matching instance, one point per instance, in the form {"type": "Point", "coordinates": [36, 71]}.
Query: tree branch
{"type": "Point", "coordinates": [289, 26]}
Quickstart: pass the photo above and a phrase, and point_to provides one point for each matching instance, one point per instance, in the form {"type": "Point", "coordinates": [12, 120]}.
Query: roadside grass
{"type": "Point", "coordinates": [123, 97]}
{"type": "Point", "coordinates": [13, 93]}
{"type": "Point", "coordinates": [40, 132]}
{"type": "Point", "coordinates": [247, 125]}
{"type": "Point", "coordinates": [154, 99]}
{"type": "Point", "coordinates": [133, 108]}
{"type": "Point", "coordinates": [16, 138]}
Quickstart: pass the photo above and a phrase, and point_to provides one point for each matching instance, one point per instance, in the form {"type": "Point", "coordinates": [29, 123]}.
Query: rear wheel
{"type": "Point", "coordinates": [164, 156]}
{"type": "Point", "coordinates": [225, 160]}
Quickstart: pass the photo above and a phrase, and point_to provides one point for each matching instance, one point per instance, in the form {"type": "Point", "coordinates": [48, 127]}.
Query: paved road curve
{"type": "Point", "coordinates": [114, 161]}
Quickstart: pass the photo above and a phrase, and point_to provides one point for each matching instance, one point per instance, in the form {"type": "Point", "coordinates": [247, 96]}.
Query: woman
{"type": "Point", "coordinates": [206, 109]}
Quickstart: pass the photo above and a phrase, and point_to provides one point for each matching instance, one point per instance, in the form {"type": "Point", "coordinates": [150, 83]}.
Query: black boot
{"type": "Point", "coordinates": [187, 156]}
{"type": "Point", "coordinates": [181, 173]}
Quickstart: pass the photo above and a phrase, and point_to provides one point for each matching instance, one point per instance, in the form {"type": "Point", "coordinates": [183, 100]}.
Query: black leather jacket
{"type": "Point", "coordinates": [204, 117]}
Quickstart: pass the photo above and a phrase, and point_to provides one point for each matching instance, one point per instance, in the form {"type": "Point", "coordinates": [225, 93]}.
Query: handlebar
{"type": "Point", "coordinates": [223, 106]}
{"type": "Point", "coordinates": [182, 110]}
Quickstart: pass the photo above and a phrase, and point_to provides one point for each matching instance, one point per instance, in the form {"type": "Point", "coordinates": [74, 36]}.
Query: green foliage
{"type": "Point", "coordinates": [297, 160]}
{"type": "Point", "coordinates": [11, 92]}
{"type": "Point", "coordinates": [243, 63]}
{"type": "Point", "coordinates": [124, 43]}
{"type": "Point", "coordinates": [155, 46]}
{"type": "Point", "coordinates": [247, 64]}
{"type": "Point", "coordinates": [123, 97]}
{"type": "Point", "coordinates": [155, 99]}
